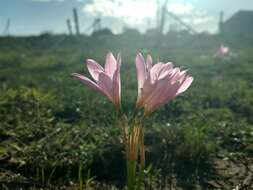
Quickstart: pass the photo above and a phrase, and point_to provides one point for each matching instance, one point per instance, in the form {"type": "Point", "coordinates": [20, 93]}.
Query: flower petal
{"type": "Point", "coordinates": [185, 85]}
{"type": "Point", "coordinates": [157, 89]}
{"type": "Point", "coordinates": [155, 70]}
{"type": "Point", "coordinates": [149, 62]}
{"type": "Point", "coordinates": [105, 84]}
{"type": "Point", "coordinates": [116, 83]}
{"type": "Point", "coordinates": [145, 93]}
{"type": "Point", "coordinates": [86, 81]}
{"type": "Point", "coordinates": [165, 70]}
{"type": "Point", "coordinates": [165, 94]}
{"type": "Point", "coordinates": [174, 75]}
{"type": "Point", "coordinates": [119, 60]}
{"type": "Point", "coordinates": [94, 68]}
{"type": "Point", "coordinates": [110, 65]}
{"type": "Point", "coordinates": [141, 70]}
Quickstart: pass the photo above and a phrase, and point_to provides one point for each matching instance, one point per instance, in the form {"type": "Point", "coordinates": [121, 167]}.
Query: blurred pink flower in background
{"type": "Point", "coordinates": [106, 80]}
{"type": "Point", "coordinates": [222, 52]}
{"type": "Point", "coordinates": [158, 84]}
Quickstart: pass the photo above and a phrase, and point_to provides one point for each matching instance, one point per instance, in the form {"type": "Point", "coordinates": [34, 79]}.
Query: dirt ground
{"type": "Point", "coordinates": [232, 173]}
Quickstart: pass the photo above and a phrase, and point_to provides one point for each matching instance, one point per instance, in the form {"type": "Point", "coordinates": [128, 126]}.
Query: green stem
{"type": "Point", "coordinates": [140, 177]}
{"type": "Point", "coordinates": [131, 174]}
{"type": "Point", "coordinates": [142, 159]}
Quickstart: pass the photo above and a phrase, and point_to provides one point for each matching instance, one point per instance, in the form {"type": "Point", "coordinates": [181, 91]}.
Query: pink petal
{"type": "Point", "coordinates": [105, 84]}
{"type": "Point", "coordinates": [149, 62]}
{"type": "Point", "coordinates": [161, 98]}
{"type": "Point", "coordinates": [116, 91]}
{"type": "Point", "coordinates": [174, 76]}
{"type": "Point", "coordinates": [164, 83]}
{"type": "Point", "coordinates": [141, 70]}
{"type": "Point", "coordinates": [185, 85]}
{"type": "Point", "coordinates": [94, 68]}
{"type": "Point", "coordinates": [157, 89]}
{"type": "Point", "coordinates": [116, 84]}
{"type": "Point", "coordinates": [178, 76]}
{"type": "Point", "coordinates": [152, 87]}
{"type": "Point", "coordinates": [145, 93]}
{"type": "Point", "coordinates": [86, 81]}
{"type": "Point", "coordinates": [165, 70]}
{"type": "Point", "coordinates": [154, 71]}
{"type": "Point", "coordinates": [119, 60]}
{"type": "Point", "coordinates": [110, 65]}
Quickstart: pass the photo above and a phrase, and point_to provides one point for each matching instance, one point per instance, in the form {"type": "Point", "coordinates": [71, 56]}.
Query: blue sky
{"type": "Point", "coordinates": [36, 16]}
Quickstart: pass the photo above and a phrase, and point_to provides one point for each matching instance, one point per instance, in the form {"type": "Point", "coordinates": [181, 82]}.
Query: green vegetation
{"type": "Point", "coordinates": [57, 134]}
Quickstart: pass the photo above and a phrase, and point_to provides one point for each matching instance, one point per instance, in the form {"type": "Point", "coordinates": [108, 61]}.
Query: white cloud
{"type": "Point", "coordinates": [187, 20]}
{"type": "Point", "coordinates": [55, 0]}
{"type": "Point", "coordinates": [202, 20]}
{"type": "Point", "coordinates": [131, 12]}
{"type": "Point", "coordinates": [180, 8]}
{"type": "Point", "coordinates": [47, 0]}
{"type": "Point", "coordinates": [136, 13]}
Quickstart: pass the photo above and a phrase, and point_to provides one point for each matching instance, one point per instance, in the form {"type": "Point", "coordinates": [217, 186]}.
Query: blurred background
{"type": "Point", "coordinates": [33, 17]}
{"type": "Point", "coordinates": [56, 133]}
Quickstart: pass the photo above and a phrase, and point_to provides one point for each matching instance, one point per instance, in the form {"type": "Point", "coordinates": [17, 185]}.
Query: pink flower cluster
{"type": "Point", "coordinates": [157, 84]}
{"type": "Point", "coordinates": [223, 51]}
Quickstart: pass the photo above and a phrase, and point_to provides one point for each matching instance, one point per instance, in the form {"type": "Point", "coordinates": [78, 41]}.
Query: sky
{"type": "Point", "coordinates": [32, 17]}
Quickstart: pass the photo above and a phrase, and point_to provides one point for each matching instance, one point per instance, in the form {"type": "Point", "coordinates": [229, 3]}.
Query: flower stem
{"type": "Point", "coordinates": [131, 174]}
{"type": "Point", "coordinates": [142, 159]}
{"type": "Point", "coordinates": [133, 138]}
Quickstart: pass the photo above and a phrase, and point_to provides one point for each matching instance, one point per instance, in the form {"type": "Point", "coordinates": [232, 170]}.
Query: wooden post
{"type": "Point", "coordinates": [163, 15]}
{"type": "Point", "coordinates": [76, 21]}
{"type": "Point", "coordinates": [69, 27]}
{"type": "Point", "coordinates": [7, 28]}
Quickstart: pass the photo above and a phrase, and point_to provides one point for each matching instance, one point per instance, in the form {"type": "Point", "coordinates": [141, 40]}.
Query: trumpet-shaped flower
{"type": "Point", "coordinates": [158, 84]}
{"type": "Point", "coordinates": [106, 80]}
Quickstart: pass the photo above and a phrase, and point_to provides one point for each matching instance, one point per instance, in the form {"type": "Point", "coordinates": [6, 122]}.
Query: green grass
{"type": "Point", "coordinates": [52, 125]}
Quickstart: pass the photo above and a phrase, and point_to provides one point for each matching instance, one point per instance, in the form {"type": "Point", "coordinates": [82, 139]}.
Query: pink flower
{"type": "Point", "coordinates": [158, 84]}
{"type": "Point", "coordinates": [106, 80]}
{"type": "Point", "coordinates": [222, 52]}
